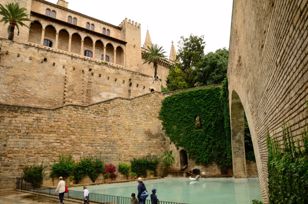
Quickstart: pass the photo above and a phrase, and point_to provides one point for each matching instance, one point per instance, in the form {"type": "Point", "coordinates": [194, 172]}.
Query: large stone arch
{"type": "Point", "coordinates": [35, 32]}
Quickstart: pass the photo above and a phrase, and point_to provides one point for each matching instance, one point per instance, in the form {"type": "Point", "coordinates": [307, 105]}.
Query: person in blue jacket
{"type": "Point", "coordinates": [142, 191]}
{"type": "Point", "coordinates": [154, 199]}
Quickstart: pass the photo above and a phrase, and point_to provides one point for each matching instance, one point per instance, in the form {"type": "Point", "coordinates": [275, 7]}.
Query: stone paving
{"type": "Point", "coordinates": [14, 197]}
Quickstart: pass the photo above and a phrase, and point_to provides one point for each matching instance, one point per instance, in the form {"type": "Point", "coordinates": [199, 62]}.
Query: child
{"type": "Point", "coordinates": [154, 199]}
{"type": "Point", "coordinates": [85, 195]}
{"type": "Point", "coordinates": [133, 199]}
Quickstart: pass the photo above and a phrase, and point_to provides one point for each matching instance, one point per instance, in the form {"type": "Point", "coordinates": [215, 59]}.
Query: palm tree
{"type": "Point", "coordinates": [15, 16]}
{"type": "Point", "coordinates": [153, 54]}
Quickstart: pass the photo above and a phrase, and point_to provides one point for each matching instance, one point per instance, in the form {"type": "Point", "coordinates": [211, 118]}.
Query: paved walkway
{"type": "Point", "coordinates": [14, 197]}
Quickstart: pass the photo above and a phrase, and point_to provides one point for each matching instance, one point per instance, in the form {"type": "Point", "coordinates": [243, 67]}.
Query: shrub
{"type": "Point", "coordinates": [97, 168]}
{"type": "Point", "coordinates": [87, 167]}
{"type": "Point", "coordinates": [63, 168]}
{"type": "Point", "coordinates": [34, 175]}
{"type": "Point", "coordinates": [124, 169]}
{"type": "Point", "coordinates": [110, 170]}
{"type": "Point", "coordinates": [141, 165]}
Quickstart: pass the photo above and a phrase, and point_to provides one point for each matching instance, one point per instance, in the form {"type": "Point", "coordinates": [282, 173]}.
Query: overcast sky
{"type": "Point", "coordinates": [166, 20]}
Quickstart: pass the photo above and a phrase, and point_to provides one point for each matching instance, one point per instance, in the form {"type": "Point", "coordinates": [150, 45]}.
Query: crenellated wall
{"type": "Point", "coordinates": [268, 76]}
{"type": "Point", "coordinates": [34, 75]}
{"type": "Point", "coordinates": [117, 130]}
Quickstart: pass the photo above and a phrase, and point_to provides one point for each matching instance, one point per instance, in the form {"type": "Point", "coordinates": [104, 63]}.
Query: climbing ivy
{"type": "Point", "coordinates": [198, 120]}
{"type": "Point", "coordinates": [288, 169]}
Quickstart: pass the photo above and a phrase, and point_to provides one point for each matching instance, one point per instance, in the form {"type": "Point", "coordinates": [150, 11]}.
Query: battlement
{"type": "Point", "coordinates": [130, 22]}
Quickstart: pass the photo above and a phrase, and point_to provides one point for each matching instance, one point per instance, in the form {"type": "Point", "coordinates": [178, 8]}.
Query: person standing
{"type": "Point", "coordinates": [142, 191]}
{"type": "Point", "coordinates": [86, 195]}
{"type": "Point", "coordinates": [61, 189]}
{"type": "Point", "coordinates": [154, 199]}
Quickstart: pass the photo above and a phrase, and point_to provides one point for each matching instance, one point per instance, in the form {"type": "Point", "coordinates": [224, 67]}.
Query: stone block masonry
{"type": "Point", "coordinates": [268, 72]}
{"type": "Point", "coordinates": [33, 75]}
{"type": "Point", "coordinates": [117, 130]}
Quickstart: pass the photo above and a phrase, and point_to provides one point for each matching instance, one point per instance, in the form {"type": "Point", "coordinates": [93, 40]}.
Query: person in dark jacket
{"type": "Point", "coordinates": [142, 191]}
{"type": "Point", "coordinates": [154, 199]}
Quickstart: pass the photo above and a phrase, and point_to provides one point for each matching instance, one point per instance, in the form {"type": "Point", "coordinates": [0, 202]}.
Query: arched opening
{"type": "Point", "coordinates": [183, 159]}
{"type": "Point", "coordinates": [119, 56]}
{"type": "Point", "coordinates": [76, 43]}
{"type": "Point", "coordinates": [109, 53]}
{"type": "Point", "coordinates": [70, 19]}
{"type": "Point", "coordinates": [237, 118]}
{"type": "Point", "coordinates": [50, 35]}
{"type": "Point", "coordinates": [63, 40]}
{"type": "Point", "coordinates": [99, 50]}
{"type": "Point", "coordinates": [75, 21]}
{"type": "Point", "coordinates": [88, 46]}
{"type": "Point", "coordinates": [35, 32]}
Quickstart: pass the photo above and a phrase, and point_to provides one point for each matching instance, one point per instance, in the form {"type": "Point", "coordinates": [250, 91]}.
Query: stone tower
{"type": "Point", "coordinates": [131, 33]}
{"type": "Point", "coordinates": [23, 35]}
{"type": "Point", "coordinates": [63, 3]}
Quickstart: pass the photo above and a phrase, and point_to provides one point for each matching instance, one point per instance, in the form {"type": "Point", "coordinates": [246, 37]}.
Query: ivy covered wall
{"type": "Point", "coordinates": [198, 121]}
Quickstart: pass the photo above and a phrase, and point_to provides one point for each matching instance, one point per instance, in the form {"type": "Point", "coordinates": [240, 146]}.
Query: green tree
{"type": "Point", "coordinates": [213, 67]}
{"type": "Point", "coordinates": [176, 79]}
{"type": "Point", "coordinates": [190, 55]}
{"type": "Point", "coordinates": [13, 15]}
{"type": "Point", "coordinates": [153, 54]}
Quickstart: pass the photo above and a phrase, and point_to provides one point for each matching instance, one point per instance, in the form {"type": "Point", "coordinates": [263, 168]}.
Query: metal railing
{"type": "Point", "coordinates": [78, 195]}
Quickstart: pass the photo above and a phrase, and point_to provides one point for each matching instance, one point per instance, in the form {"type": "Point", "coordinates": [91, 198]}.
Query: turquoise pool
{"type": "Point", "coordinates": [206, 190]}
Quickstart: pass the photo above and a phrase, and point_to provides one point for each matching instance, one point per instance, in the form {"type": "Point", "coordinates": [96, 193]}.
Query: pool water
{"type": "Point", "coordinates": [206, 190]}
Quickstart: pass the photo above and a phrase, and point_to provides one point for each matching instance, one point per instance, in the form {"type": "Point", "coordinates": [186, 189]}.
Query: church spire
{"type": "Point", "coordinates": [172, 55]}
{"type": "Point", "coordinates": [147, 41]}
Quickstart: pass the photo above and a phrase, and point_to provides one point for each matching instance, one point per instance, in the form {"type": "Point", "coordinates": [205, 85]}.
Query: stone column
{"type": "Point", "coordinates": [93, 50]}
{"type": "Point", "coordinates": [104, 53]}
{"type": "Point", "coordinates": [70, 43]}
{"type": "Point", "coordinates": [57, 40]}
{"type": "Point", "coordinates": [42, 36]}
{"type": "Point", "coordinates": [114, 56]}
{"type": "Point", "coordinates": [81, 48]}
{"type": "Point", "coordinates": [237, 139]}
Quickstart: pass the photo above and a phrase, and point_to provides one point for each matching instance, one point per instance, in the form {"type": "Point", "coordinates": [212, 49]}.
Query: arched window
{"type": "Point", "coordinates": [47, 43]}
{"type": "Point", "coordinates": [70, 19]}
{"type": "Point", "coordinates": [53, 13]}
{"type": "Point", "coordinates": [88, 53]}
{"type": "Point", "coordinates": [48, 12]}
{"type": "Point", "coordinates": [108, 32]}
{"type": "Point", "coordinates": [104, 31]}
{"type": "Point", "coordinates": [107, 58]}
{"type": "Point", "coordinates": [88, 25]}
{"type": "Point", "coordinates": [75, 21]}
{"type": "Point", "coordinates": [92, 26]}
